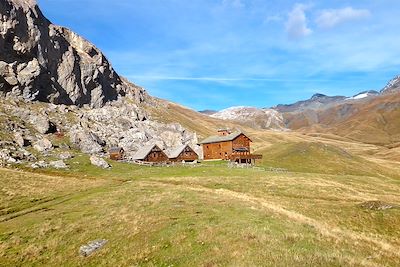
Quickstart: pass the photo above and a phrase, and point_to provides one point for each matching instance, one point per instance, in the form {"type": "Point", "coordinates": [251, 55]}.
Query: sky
{"type": "Point", "coordinates": [213, 54]}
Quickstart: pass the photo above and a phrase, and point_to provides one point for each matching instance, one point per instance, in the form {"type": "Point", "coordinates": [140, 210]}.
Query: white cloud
{"type": "Point", "coordinates": [332, 17]}
{"type": "Point", "coordinates": [296, 25]}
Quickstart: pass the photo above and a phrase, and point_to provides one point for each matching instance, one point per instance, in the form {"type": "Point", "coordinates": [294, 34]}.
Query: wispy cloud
{"type": "Point", "coordinates": [332, 17]}
{"type": "Point", "coordinates": [296, 25]}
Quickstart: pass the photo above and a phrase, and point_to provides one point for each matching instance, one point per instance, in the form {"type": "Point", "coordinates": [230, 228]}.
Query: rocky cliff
{"type": "Point", "coordinates": [45, 62]}
{"type": "Point", "coordinates": [60, 95]}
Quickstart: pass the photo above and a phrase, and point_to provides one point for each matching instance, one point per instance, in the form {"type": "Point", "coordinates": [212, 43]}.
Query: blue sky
{"type": "Point", "coordinates": [212, 54]}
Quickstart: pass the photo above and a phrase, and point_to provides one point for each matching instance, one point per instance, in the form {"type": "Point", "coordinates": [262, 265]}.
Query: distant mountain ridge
{"type": "Point", "coordinates": [315, 102]}
{"type": "Point", "coordinates": [369, 116]}
{"type": "Point", "coordinates": [208, 112]}
{"type": "Point", "coordinates": [253, 117]}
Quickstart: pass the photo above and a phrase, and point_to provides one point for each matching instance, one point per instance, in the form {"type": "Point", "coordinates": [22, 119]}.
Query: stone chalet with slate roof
{"type": "Point", "coordinates": [229, 146]}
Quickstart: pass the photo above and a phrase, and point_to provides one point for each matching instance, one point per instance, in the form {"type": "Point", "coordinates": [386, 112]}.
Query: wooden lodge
{"type": "Point", "coordinates": [151, 153]}
{"type": "Point", "coordinates": [183, 153]}
{"type": "Point", "coordinates": [116, 153]}
{"type": "Point", "coordinates": [229, 146]}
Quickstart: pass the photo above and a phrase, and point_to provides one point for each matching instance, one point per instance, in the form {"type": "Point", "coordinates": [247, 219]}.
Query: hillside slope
{"type": "Point", "coordinates": [369, 117]}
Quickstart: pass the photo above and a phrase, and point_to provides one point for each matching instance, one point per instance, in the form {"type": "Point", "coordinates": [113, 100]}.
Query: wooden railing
{"type": "Point", "coordinates": [248, 156]}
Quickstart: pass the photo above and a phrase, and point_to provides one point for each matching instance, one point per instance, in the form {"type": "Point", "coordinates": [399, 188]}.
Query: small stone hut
{"type": "Point", "coordinates": [116, 153]}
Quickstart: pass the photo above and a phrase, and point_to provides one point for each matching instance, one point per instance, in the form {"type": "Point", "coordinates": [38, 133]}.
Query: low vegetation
{"type": "Point", "coordinates": [317, 157]}
{"type": "Point", "coordinates": [208, 215]}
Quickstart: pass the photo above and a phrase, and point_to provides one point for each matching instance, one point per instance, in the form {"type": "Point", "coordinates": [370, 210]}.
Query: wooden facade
{"type": "Point", "coordinates": [183, 154]}
{"type": "Point", "coordinates": [152, 153]}
{"type": "Point", "coordinates": [156, 155]}
{"type": "Point", "coordinates": [232, 146]}
{"type": "Point", "coordinates": [224, 149]}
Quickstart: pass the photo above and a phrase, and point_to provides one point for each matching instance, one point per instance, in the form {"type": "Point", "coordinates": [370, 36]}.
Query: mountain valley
{"type": "Point", "coordinates": [325, 193]}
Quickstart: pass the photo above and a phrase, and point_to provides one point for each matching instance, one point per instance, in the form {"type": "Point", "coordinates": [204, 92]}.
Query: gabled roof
{"type": "Point", "coordinates": [115, 149]}
{"type": "Point", "coordinates": [176, 151]}
{"type": "Point", "coordinates": [220, 138]}
{"type": "Point", "coordinates": [144, 151]}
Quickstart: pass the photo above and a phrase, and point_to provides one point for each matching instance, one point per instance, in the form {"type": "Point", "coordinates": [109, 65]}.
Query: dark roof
{"type": "Point", "coordinates": [144, 151]}
{"type": "Point", "coordinates": [241, 149]}
{"type": "Point", "coordinates": [115, 149]}
{"type": "Point", "coordinates": [221, 138]}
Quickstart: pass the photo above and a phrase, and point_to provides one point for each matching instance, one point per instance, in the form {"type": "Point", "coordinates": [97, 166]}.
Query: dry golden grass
{"type": "Point", "coordinates": [163, 217]}
{"type": "Point", "coordinates": [211, 215]}
{"type": "Point", "coordinates": [21, 190]}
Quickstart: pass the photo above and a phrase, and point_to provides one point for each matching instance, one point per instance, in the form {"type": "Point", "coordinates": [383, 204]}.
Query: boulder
{"type": "Point", "coordinates": [39, 164]}
{"type": "Point", "coordinates": [58, 164]}
{"type": "Point", "coordinates": [42, 124]}
{"type": "Point", "coordinates": [19, 139]}
{"type": "Point", "coordinates": [87, 142]}
{"type": "Point", "coordinates": [91, 247]}
{"type": "Point", "coordinates": [43, 145]}
{"type": "Point", "coordinates": [99, 162]}
{"type": "Point", "coordinates": [65, 155]}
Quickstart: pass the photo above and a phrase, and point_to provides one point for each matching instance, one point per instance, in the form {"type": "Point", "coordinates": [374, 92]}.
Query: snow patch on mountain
{"type": "Point", "coordinates": [254, 117]}
{"type": "Point", "coordinates": [363, 95]}
{"type": "Point", "coordinates": [392, 86]}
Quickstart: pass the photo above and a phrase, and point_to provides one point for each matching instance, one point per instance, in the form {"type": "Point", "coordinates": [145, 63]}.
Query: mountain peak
{"type": "Point", "coordinates": [392, 86]}
{"type": "Point", "coordinates": [45, 62]}
{"type": "Point", "coordinates": [24, 3]}
{"type": "Point", "coordinates": [318, 95]}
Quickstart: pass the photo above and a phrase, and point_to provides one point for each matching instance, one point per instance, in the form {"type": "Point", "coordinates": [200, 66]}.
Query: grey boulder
{"type": "Point", "coordinates": [99, 162]}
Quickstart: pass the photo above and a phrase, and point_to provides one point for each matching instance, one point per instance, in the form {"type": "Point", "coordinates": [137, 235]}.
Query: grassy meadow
{"type": "Point", "coordinates": [209, 215]}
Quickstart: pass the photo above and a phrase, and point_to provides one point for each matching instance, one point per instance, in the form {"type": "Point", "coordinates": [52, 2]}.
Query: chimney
{"type": "Point", "coordinates": [224, 132]}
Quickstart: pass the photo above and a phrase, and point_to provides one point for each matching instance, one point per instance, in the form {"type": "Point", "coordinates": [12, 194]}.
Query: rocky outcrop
{"type": "Point", "coordinates": [10, 153]}
{"type": "Point", "coordinates": [90, 130]}
{"type": "Point", "coordinates": [393, 86]}
{"type": "Point", "coordinates": [45, 62]}
{"type": "Point", "coordinates": [99, 162]}
{"type": "Point", "coordinates": [57, 83]}
{"type": "Point", "coordinates": [43, 145]}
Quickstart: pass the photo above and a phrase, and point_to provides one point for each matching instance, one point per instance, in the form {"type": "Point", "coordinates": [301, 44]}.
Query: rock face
{"type": "Point", "coordinates": [49, 63]}
{"type": "Point", "coordinates": [393, 86]}
{"type": "Point", "coordinates": [53, 81]}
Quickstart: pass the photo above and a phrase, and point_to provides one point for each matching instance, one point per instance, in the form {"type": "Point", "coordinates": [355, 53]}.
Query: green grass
{"type": "Point", "coordinates": [208, 215]}
{"type": "Point", "coordinates": [315, 157]}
